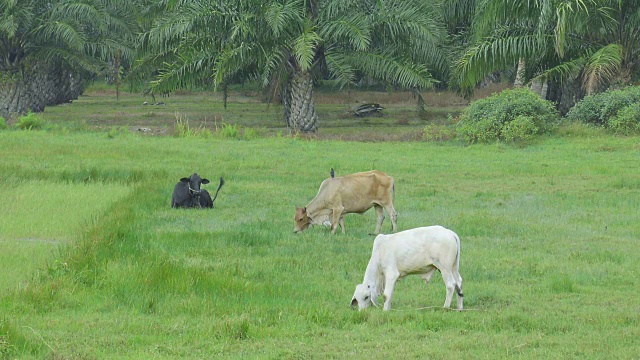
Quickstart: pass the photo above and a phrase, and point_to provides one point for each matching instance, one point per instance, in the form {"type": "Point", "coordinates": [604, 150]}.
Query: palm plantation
{"type": "Point", "coordinates": [555, 41]}
{"type": "Point", "coordinates": [562, 49]}
{"type": "Point", "coordinates": [287, 46]}
{"type": "Point", "coordinates": [49, 48]}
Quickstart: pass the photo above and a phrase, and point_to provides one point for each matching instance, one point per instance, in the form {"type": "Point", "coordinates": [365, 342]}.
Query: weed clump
{"type": "Point", "coordinates": [437, 133]}
{"type": "Point", "coordinates": [31, 121]}
{"type": "Point", "coordinates": [227, 131]}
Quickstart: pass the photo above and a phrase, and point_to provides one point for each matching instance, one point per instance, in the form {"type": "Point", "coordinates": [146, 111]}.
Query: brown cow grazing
{"type": "Point", "coordinates": [355, 193]}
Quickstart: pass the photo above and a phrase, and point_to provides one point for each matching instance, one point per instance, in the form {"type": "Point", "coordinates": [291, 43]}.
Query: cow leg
{"type": "Point", "coordinates": [342, 223]}
{"type": "Point", "coordinates": [380, 216]}
{"type": "Point", "coordinates": [393, 215]}
{"type": "Point", "coordinates": [427, 276]}
{"type": "Point", "coordinates": [390, 282]}
{"type": "Point", "coordinates": [459, 298]}
{"type": "Point", "coordinates": [450, 283]}
{"type": "Point", "coordinates": [335, 219]}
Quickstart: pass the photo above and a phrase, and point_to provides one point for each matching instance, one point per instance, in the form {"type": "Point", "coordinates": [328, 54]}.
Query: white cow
{"type": "Point", "coordinates": [417, 251]}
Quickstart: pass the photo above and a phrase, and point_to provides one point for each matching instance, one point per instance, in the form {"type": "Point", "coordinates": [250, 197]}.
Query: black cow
{"type": "Point", "coordinates": [187, 193]}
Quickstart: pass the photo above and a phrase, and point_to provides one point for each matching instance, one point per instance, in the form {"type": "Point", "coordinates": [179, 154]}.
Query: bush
{"type": "Point", "coordinates": [490, 119]}
{"type": "Point", "coordinates": [31, 121]}
{"type": "Point", "coordinates": [521, 129]}
{"type": "Point", "coordinates": [3, 123]}
{"type": "Point", "coordinates": [597, 109]}
{"type": "Point", "coordinates": [437, 133]}
{"type": "Point", "coordinates": [627, 120]}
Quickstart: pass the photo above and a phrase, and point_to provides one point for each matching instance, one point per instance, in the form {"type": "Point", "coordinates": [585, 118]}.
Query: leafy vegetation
{"type": "Point", "coordinates": [592, 42]}
{"type": "Point", "coordinates": [512, 115]}
{"type": "Point", "coordinates": [30, 121]}
{"type": "Point", "coordinates": [48, 49]}
{"type": "Point", "coordinates": [627, 121]}
{"type": "Point", "coordinates": [286, 46]}
{"type": "Point", "coordinates": [608, 109]}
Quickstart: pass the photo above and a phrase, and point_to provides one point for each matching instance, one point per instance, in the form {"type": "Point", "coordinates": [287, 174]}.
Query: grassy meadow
{"type": "Point", "coordinates": [95, 264]}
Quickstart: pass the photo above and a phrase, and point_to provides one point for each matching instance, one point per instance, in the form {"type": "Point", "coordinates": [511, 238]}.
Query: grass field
{"type": "Point", "coordinates": [98, 109]}
{"type": "Point", "coordinates": [95, 264]}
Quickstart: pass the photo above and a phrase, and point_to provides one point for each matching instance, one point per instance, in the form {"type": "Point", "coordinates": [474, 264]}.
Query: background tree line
{"type": "Point", "coordinates": [561, 49]}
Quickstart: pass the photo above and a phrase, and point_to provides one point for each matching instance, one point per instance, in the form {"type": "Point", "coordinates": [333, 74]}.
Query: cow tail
{"type": "Point", "coordinates": [219, 186]}
{"type": "Point", "coordinates": [393, 190]}
{"type": "Point", "coordinates": [457, 265]}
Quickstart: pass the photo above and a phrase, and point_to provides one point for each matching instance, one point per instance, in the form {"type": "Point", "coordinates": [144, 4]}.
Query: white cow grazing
{"type": "Point", "coordinates": [417, 251]}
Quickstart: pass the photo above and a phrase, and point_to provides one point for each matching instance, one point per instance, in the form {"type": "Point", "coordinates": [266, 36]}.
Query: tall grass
{"type": "Point", "coordinates": [548, 234]}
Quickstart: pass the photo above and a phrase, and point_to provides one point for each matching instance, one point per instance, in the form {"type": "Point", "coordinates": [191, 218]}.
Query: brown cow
{"type": "Point", "coordinates": [355, 193]}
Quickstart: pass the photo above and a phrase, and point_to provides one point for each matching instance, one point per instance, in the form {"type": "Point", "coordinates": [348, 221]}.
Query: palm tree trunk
{"type": "Point", "coordinates": [36, 88]}
{"type": "Point", "coordinates": [520, 73]}
{"type": "Point", "coordinates": [540, 87]}
{"type": "Point", "coordinates": [15, 95]}
{"type": "Point", "coordinates": [299, 104]}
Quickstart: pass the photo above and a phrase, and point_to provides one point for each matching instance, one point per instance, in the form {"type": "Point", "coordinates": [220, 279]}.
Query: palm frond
{"type": "Point", "coordinates": [355, 30]}
{"type": "Point", "coordinates": [61, 33]}
{"type": "Point", "coordinates": [494, 54]}
{"type": "Point", "coordinates": [393, 70]}
{"type": "Point", "coordinates": [305, 46]}
{"type": "Point", "coordinates": [563, 72]}
{"type": "Point", "coordinates": [340, 68]}
{"type": "Point", "coordinates": [602, 66]}
{"type": "Point", "coordinates": [280, 16]}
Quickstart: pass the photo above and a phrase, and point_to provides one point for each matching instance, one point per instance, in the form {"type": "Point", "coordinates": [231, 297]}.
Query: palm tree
{"type": "Point", "coordinates": [288, 45]}
{"type": "Point", "coordinates": [47, 47]}
{"type": "Point", "coordinates": [558, 40]}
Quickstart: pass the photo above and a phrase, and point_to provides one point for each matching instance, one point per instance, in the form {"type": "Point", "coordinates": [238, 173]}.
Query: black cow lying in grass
{"type": "Point", "coordinates": [187, 193]}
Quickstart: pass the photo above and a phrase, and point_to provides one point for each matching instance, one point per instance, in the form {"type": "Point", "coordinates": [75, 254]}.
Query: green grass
{"type": "Point", "coordinates": [40, 215]}
{"type": "Point", "coordinates": [549, 239]}
{"type": "Point", "coordinates": [98, 109]}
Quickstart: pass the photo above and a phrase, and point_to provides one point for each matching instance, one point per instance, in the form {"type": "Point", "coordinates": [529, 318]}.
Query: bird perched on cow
{"type": "Point", "coordinates": [419, 251]}
{"type": "Point", "coordinates": [187, 193]}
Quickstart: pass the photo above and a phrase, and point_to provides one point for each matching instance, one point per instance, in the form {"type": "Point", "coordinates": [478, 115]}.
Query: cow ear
{"type": "Point", "coordinates": [304, 209]}
{"type": "Point", "coordinates": [205, 181]}
{"type": "Point", "coordinates": [184, 180]}
{"type": "Point", "coordinates": [374, 296]}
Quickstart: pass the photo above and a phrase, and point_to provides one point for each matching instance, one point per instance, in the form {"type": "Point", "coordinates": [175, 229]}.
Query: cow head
{"type": "Point", "coordinates": [194, 182]}
{"type": "Point", "coordinates": [363, 297]}
{"type": "Point", "coordinates": [302, 220]}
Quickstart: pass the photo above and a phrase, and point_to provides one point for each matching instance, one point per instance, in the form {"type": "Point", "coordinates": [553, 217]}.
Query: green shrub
{"type": "Point", "coordinates": [3, 123]}
{"type": "Point", "coordinates": [521, 129]}
{"type": "Point", "coordinates": [31, 121]}
{"type": "Point", "coordinates": [489, 119]}
{"type": "Point", "coordinates": [597, 109]}
{"type": "Point", "coordinates": [437, 133]}
{"type": "Point", "coordinates": [627, 121]}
